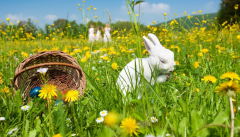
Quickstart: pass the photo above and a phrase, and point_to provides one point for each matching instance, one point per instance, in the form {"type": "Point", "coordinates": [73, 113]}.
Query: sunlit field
{"type": "Point", "coordinates": [194, 102]}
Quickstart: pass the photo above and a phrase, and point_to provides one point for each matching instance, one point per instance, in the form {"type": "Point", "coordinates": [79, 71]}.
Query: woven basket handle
{"type": "Point", "coordinates": [46, 64]}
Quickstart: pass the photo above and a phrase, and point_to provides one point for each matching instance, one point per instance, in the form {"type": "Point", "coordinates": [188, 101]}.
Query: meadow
{"type": "Point", "coordinates": [187, 105]}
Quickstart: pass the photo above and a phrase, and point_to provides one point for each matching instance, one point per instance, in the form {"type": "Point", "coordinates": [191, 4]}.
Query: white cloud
{"type": "Point", "coordinates": [19, 17]}
{"type": "Point", "coordinates": [50, 17]}
{"type": "Point", "coordinates": [150, 8]}
{"type": "Point", "coordinates": [73, 17]}
{"type": "Point", "coordinates": [209, 5]}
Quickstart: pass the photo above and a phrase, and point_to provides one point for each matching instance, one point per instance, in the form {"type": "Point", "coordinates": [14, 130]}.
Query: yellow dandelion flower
{"type": "Point", "coordinates": [111, 119]}
{"type": "Point", "coordinates": [84, 59]}
{"type": "Point", "coordinates": [114, 66]}
{"type": "Point", "coordinates": [36, 20]}
{"type": "Point", "coordinates": [7, 19]}
{"type": "Point", "coordinates": [5, 90]}
{"type": "Point", "coordinates": [164, 14]}
{"type": "Point", "coordinates": [48, 91]}
{"type": "Point", "coordinates": [209, 78]}
{"type": "Point", "coordinates": [130, 126]}
{"type": "Point", "coordinates": [196, 64]}
{"type": "Point", "coordinates": [72, 95]}
{"type": "Point", "coordinates": [200, 11]}
{"type": "Point", "coordinates": [95, 8]}
{"type": "Point", "coordinates": [230, 75]}
{"type": "Point", "coordinates": [177, 63]}
{"type": "Point", "coordinates": [78, 4]}
{"type": "Point", "coordinates": [238, 37]}
{"type": "Point", "coordinates": [57, 135]}
{"type": "Point", "coordinates": [154, 22]}
{"type": "Point", "coordinates": [230, 88]}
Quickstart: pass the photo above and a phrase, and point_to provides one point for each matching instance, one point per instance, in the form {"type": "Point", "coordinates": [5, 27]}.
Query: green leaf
{"type": "Point", "coordinates": [138, 2]}
{"type": "Point", "coordinates": [85, 101]}
{"type": "Point", "coordinates": [91, 118]}
{"type": "Point", "coordinates": [37, 123]}
{"type": "Point", "coordinates": [138, 116]}
{"type": "Point", "coordinates": [183, 127]}
{"type": "Point", "coordinates": [197, 123]}
{"type": "Point", "coordinates": [221, 117]}
{"type": "Point", "coordinates": [32, 133]}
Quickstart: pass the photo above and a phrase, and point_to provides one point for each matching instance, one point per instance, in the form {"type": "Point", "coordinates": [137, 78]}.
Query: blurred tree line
{"type": "Point", "coordinates": [229, 11]}
{"type": "Point", "coordinates": [65, 27]}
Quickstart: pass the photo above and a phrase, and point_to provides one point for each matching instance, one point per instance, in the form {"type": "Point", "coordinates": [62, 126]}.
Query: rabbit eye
{"type": "Point", "coordinates": [162, 61]}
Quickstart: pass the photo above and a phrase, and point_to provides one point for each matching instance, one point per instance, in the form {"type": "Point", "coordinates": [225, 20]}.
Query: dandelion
{"type": "Point", "coordinates": [154, 22]}
{"type": "Point", "coordinates": [36, 21]}
{"type": "Point", "coordinates": [196, 64]}
{"type": "Point", "coordinates": [42, 70]}
{"type": "Point", "coordinates": [200, 11]}
{"type": "Point", "coordinates": [48, 91]}
{"type": "Point", "coordinates": [2, 118]}
{"type": "Point", "coordinates": [78, 4]}
{"type": "Point", "coordinates": [154, 119]}
{"type": "Point", "coordinates": [12, 130]}
{"type": "Point", "coordinates": [230, 88]}
{"type": "Point", "coordinates": [164, 14]}
{"type": "Point", "coordinates": [72, 95]}
{"type": "Point", "coordinates": [114, 66]}
{"type": "Point", "coordinates": [230, 75]}
{"type": "Point", "coordinates": [84, 59]}
{"type": "Point", "coordinates": [5, 90]}
{"type": "Point", "coordinates": [111, 119]}
{"type": "Point", "coordinates": [177, 63]}
{"type": "Point", "coordinates": [95, 8]}
{"type": "Point", "coordinates": [236, 7]}
{"type": "Point", "coordinates": [130, 126]}
{"type": "Point", "coordinates": [25, 108]}
{"type": "Point", "coordinates": [238, 37]}
{"type": "Point", "coordinates": [103, 113]}
{"type": "Point", "coordinates": [57, 135]}
{"type": "Point", "coordinates": [137, 15]}
{"type": "Point", "coordinates": [100, 120]}
{"type": "Point", "coordinates": [7, 19]}
{"type": "Point", "coordinates": [209, 78]}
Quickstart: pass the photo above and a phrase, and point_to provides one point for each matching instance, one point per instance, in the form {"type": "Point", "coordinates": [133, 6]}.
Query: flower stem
{"type": "Point", "coordinates": [232, 117]}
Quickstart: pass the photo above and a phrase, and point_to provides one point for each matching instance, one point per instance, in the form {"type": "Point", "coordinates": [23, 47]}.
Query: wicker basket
{"type": "Point", "coordinates": [63, 71]}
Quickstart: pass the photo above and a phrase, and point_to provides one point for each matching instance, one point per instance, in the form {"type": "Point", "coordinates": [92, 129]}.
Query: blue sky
{"type": "Point", "coordinates": [46, 11]}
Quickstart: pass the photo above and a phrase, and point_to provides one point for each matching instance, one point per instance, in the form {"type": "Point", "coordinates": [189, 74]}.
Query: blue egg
{"type": "Point", "coordinates": [35, 92]}
{"type": "Point", "coordinates": [58, 101]}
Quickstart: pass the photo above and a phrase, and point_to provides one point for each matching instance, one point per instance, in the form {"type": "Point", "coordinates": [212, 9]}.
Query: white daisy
{"type": "Point", "coordinates": [42, 70]}
{"type": "Point", "coordinates": [100, 120]}
{"type": "Point", "coordinates": [2, 118]}
{"type": "Point", "coordinates": [12, 130]}
{"type": "Point", "coordinates": [154, 119]}
{"type": "Point", "coordinates": [103, 113]}
{"type": "Point", "coordinates": [93, 68]}
{"type": "Point", "coordinates": [25, 108]}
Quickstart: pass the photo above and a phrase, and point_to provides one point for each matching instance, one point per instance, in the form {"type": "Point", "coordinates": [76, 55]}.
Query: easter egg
{"type": "Point", "coordinates": [34, 92]}
{"type": "Point", "coordinates": [58, 101]}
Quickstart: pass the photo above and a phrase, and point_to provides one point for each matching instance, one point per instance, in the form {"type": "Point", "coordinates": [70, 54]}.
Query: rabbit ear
{"type": "Point", "coordinates": [148, 44]}
{"type": "Point", "coordinates": [154, 39]}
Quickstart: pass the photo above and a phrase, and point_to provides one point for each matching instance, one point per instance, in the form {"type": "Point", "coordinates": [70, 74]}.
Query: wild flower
{"type": "Point", "coordinates": [12, 130]}
{"type": "Point", "coordinates": [72, 95]}
{"type": "Point", "coordinates": [230, 75]}
{"type": "Point", "coordinates": [42, 70]}
{"type": "Point", "coordinates": [154, 119]}
{"type": "Point", "coordinates": [230, 88]}
{"type": "Point", "coordinates": [47, 91]}
{"type": "Point", "coordinates": [100, 120]}
{"type": "Point", "coordinates": [114, 66]}
{"type": "Point", "coordinates": [57, 135]}
{"type": "Point", "coordinates": [25, 108]}
{"type": "Point", "coordinates": [103, 113]}
{"type": "Point", "coordinates": [129, 126]}
{"type": "Point", "coordinates": [111, 119]}
{"type": "Point", "coordinates": [209, 78]}
{"type": "Point", "coordinates": [2, 118]}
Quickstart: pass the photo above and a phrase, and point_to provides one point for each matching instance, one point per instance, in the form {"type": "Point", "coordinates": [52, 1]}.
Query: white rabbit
{"type": "Point", "coordinates": [156, 68]}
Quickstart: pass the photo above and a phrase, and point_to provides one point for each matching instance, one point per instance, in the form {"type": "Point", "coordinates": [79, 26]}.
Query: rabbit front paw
{"type": "Point", "coordinates": [162, 78]}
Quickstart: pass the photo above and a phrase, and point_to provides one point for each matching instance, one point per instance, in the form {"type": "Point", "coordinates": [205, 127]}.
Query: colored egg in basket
{"type": "Point", "coordinates": [35, 92]}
